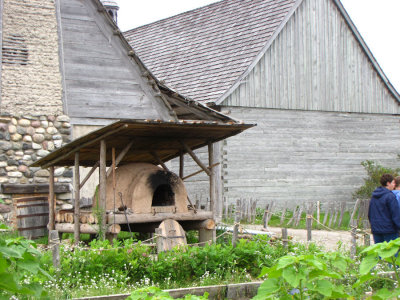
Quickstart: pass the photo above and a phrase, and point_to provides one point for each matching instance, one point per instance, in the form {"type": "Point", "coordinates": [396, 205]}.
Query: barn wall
{"type": "Point", "coordinates": [299, 156]}
{"type": "Point", "coordinates": [101, 80]}
{"type": "Point", "coordinates": [315, 63]}
{"type": "Point", "coordinates": [31, 79]}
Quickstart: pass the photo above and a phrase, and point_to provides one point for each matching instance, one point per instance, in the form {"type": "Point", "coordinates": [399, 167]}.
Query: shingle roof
{"type": "Point", "coordinates": [201, 53]}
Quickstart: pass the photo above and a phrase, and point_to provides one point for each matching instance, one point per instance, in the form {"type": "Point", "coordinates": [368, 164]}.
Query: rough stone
{"type": "Point", "coordinates": [66, 125]}
{"type": "Point", "coordinates": [10, 153]}
{"type": "Point", "coordinates": [45, 145]}
{"type": "Point", "coordinates": [3, 172]}
{"type": "Point", "coordinates": [22, 168]}
{"type": "Point", "coordinates": [16, 146]}
{"type": "Point", "coordinates": [35, 124]}
{"type": "Point", "coordinates": [29, 152]}
{"type": "Point", "coordinates": [5, 145]}
{"type": "Point", "coordinates": [60, 202]}
{"type": "Point", "coordinates": [8, 201]}
{"type": "Point", "coordinates": [3, 164]}
{"type": "Point", "coordinates": [3, 179]}
{"type": "Point", "coordinates": [51, 118]}
{"type": "Point", "coordinates": [50, 146]}
{"type": "Point", "coordinates": [27, 138]}
{"type": "Point", "coordinates": [57, 124]}
{"type": "Point", "coordinates": [63, 118]}
{"type": "Point", "coordinates": [11, 168]}
{"type": "Point", "coordinates": [41, 179]}
{"type": "Point", "coordinates": [48, 136]}
{"type": "Point", "coordinates": [14, 121]}
{"type": "Point", "coordinates": [12, 162]}
{"type": "Point", "coordinates": [24, 122]}
{"type": "Point", "coordinates": [64, 196]}
{"type": "Point", "coordinates": [36, 146]}
{"type": "Point", "coordinates": [44, 124]}
{"type": "Point", "coordinates": [64, 180]}
{"type": "Point", "coordinates": [19, 153]}
{"type": "Point", "coordinates": [57, 137]}
{"type": "Point", "coordinates": [42, 153]}
{"type": "Point", "coordinates": [51, 130]}
{"type": "Point", "coordinates": [3, 157]}
{"type": "Point", "coordinates": [68, 173]}
{"type": "Point", "coordinates": [59, 171]}
{"type": "Point", "coordinates": [13, 180]}
{"type": "Point", "coordinates": [34, 157]}
{"type": "Point", "coordinates": [65, 130]}
{"type": "Point", "coordinates": [16, 137]}
{"type": "Point", "coordinates": [67, 206]}
{"type": "Point", "coordinates": [28, 174]}
{"type": "Point", "coordinates": [30, 117]}
{"type": "Point", "coordinates": [30, 130]}
{"type": "Point", "coordinates": [38, 138]}
{"type": "Point", "coordinates": [40, 130]}
{"type": "Point", "coordinates": [14, 174]}
{"type": "Point", "coordinates": [4, 208]}
{"type": "Point", "coordinates": [21, 130]}
{"type": "Point", "coordinates": [26, 146]}
{"type": "Point", "coordinates": [3, 127]}
{"type": "Point", "coordinates": [42, 118]}
{"type": "Point", "coordinates": [66, 139]}
{"type": "Point", "coordinates": [23, 180]}
{"type": "Point", "coordinates": [12, 129]}
{"type": "Point", "coordinates": [58, 144]}
{"type": "Point", "coordinates": [7, 136]}
{"type": "Point", "coordinates": [42, 173]}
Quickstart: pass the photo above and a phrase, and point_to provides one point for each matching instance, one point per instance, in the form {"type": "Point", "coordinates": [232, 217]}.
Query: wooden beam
{"type": "Point", "coordinates": [103, 182]}
{"type": "Point", "coordinates": [89, 174]}
{"type": "Point", "coordinates": [159, 161]}
{"type": "Point", "coordinates": [102, 137]}
{"type": "Point", "coordinates": [76, 198]}
{"type": "Point", "coordinates": [181, 164]}
{"type": "Point", "coordinates": [199, 171]}
{"type": "Point", "coordinates": [194, 110]}
{"type": "Point", "coordinates": [158, 217]}
{"type": "Point", "coordinates": [195, 158]}
{"type": "Point", "coordinates": [41, 188]}
{"type": "Point", "coordinates": [51, 199]}
{"type": "Point", "coordinates": [120, 156]}
{"type": "Point", "coordinates": [212, 177]}
{"type": "Point", "coordinates": [86, 228]}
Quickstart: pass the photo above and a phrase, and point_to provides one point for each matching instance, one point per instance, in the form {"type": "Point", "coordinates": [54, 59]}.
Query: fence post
{"type": "Point", "coordinates": [236, 226]}
{"type": "Point", "coordinates": [159, 240]}
{"type": "Point", "coordinates": [367, 237]}
{"type": "Point", "coordinates": [309, 223]}
{"type": "Point", "coordinates": [353, 248]}
{"type": "Point", "coordinates": [284, 238]}
{"type": "Point", "coordinates": [54, 243]}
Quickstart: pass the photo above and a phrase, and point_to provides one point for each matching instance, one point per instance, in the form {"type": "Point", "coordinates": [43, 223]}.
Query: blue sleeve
{"type": "Point", "coordinates": [394, 209]}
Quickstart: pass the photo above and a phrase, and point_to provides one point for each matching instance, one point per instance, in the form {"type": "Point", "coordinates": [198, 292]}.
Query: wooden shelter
{"type": "Point", "coordinates": [137, 141]}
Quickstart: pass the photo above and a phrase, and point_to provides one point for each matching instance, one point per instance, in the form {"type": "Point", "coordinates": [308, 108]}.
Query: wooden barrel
{"type": "Point", "coordinates": [32, 214]}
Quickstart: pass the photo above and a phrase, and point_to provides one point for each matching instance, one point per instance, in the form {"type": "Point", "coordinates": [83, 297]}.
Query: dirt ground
{"type": "Point", "coordinates": [328, 239]}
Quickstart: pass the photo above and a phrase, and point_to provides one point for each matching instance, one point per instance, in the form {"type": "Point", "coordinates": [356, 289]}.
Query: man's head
{"type": "Point", "coordinates": [397, 183]}
{"type": "Point", "coordinates": [387, 181]}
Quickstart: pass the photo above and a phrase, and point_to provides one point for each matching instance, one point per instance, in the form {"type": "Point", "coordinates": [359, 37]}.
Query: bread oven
{"type": "Point", "coordinates": [146, 188]}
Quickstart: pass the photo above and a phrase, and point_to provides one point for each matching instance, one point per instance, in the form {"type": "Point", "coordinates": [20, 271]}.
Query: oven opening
{"type": "Point", "coordinates": [163, 196]}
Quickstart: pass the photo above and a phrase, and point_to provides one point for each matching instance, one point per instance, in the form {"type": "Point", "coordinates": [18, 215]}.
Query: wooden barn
{"type": "Point", "coordinates": [67, 70]}
{"type": "Point", "coordinates": [302, 72]}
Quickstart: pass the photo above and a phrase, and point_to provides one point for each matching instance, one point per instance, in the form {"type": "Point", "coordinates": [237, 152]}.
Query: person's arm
{"type": "Point", "coordinates": [394, 209]}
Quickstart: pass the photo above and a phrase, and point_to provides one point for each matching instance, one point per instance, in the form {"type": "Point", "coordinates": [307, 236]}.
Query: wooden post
{"type": "Point", "coordinates": [309, 223]}
{"type": "Point", "coordinates": [217, 177]}
{"type": "Point", "coordinates": [159, 240]}
{"type": "Point", "coordinates": [265, 217]}
{"type": "Point", "coordinates": [236, 226]}
{"type": "Point", "coordinates": [367, 237]}
{"type": "Point", "coordinates": [181, 164]}
{"type": "Point", "coordinates": [318, 211]}
{"type": "Point", "coordinates": [353, 214]}
{"type": "Point", "coordinates": [54, 243]}
{"type": "Point", "coordinates": [211, 177]}
{"type": "Point", "coordinates": [206, 236]}
{"type": "Point", "coordinates": [77, 181]}
{"type": "Point", "coordinates": [51, 200]}
{"type": "Point", "coordinates": [284, 238]}
{"type": "Point", "coordinates": [353, 247]}
{"type": "Point", "coordinates": [102, 183]}
{"type": "Point", "coordinates": [342, 208]}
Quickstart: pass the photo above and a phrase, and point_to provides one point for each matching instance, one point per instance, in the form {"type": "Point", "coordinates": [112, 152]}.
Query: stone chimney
{"type": "Point", "coordinates": [112, 9]}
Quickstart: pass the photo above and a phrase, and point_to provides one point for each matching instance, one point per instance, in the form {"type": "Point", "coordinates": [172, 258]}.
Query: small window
{"type": "Point", "coordinates": [15, 50]}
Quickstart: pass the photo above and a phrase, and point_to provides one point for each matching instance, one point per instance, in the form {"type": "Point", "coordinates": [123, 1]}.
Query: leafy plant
{"type": "Point", "coordinates": [19, 258]}
{"type": "Point", "coordinates": [371, 182]}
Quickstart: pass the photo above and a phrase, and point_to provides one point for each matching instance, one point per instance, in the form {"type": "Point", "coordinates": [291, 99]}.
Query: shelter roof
{"type": "Point", "coordinates": [165, 139]}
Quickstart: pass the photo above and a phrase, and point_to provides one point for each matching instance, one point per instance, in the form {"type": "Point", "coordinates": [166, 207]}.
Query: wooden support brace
{"type": "Point", "coordinates": [120, 156]}
{"type": "Point", "coordinates": [89, 174]}
{"type": "Point", "coordinates": [200, 171]}
{"type": "Point", "coordinates": [159, 161]}
{"type": "Point", "coordinates": [195, 158]}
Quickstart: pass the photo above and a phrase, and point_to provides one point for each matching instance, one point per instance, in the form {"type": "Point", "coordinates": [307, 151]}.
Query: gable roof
{"type": "Point", "coordinates": [200, 53]}
{"type": "Point", "coordinates": [104, 79]}
{"type": "Point", "coordinates": [206, 53]}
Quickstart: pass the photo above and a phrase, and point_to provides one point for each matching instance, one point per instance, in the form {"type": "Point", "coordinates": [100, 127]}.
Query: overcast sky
{"type": "Point", "coordinates": [377, 21]}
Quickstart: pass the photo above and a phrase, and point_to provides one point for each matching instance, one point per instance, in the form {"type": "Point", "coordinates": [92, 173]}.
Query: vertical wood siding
{"type": "Point", "coordinates": [315, 63]}
{"type": "Point", "coordinates": [299, 156]}
{"type": "Point", "coordinates": [100, 79]}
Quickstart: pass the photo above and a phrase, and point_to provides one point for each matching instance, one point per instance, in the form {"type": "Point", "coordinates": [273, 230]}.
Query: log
{"type": "Point", "coordinates": [208, 224]}
{"type": "Point", "coordinates": [69, 218]}
{"type": "Point", "coordinates": [77, 197]}
{"type": "Point", "coordinates": [83, 219]}
{"type": "Point", "coordinates": [86, 228]}
{"type": "Point", "coordinates": [52, 207]}
{"type": "Point", "coordinates": [159, 217]}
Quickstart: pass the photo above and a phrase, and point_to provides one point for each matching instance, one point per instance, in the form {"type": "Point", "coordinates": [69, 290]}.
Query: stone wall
{"type": "Point", "coordinates": [31, 78]}
{"type": "Point", "coordinates": [26, 139]}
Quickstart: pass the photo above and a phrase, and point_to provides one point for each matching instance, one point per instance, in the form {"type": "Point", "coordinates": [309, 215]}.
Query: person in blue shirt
{"type": "Point", "coordinates": [384, 211]}
{"type": "Point", "coordinates": [396, 190]}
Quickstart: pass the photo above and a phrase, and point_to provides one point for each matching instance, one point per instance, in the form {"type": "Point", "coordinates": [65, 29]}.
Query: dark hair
{"type": "Point", "coordinates": [385, 178]}
{"type": "Point", "coordinates": [397, 180]}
